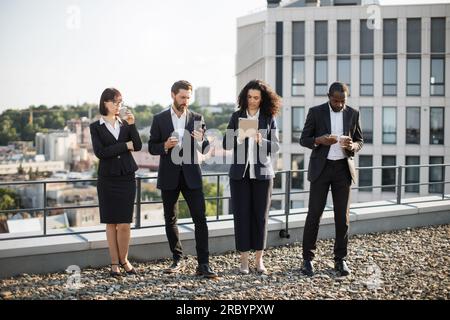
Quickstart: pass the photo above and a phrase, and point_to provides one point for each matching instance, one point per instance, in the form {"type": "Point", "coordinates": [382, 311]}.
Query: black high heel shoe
{"type": "Point", "coordinates": [131, 271]}
{"type": "Point", "coordinates": [115, 273]}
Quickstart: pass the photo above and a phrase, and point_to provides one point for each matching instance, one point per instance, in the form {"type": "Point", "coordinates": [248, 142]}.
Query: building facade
{"type": "Point", "coordinates": [203, 96]}
{"type": "Point", "coordinates": [395, 60]}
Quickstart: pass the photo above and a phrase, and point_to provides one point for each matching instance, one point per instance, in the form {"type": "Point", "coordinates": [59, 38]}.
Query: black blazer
{"type": "Point", "coordinates": [186, 158]}
{"type": "Point", "coordinates": [115, 158]}
{"type": "Point", "coordinates": [267, 126]}
{"type": "Point", "coordinates": [317, 124]}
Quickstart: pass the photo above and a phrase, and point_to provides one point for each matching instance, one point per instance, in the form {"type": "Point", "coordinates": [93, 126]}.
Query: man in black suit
{"type": "Point", "coordinates": [333, 132]}
{"type": "Point", "coordinates": [176, 135]}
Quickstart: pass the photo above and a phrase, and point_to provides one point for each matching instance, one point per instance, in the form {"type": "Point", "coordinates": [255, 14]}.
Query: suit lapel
{"type": "Point", "coordinates": [168, 119]}
{"type": "Point", "coordinates": [107, 132]}
{"type": "Point", "coordinates": [261, 121]}
{"type": "Point", "coordinates": [326, 115]}
{"type": "Point", "coordinates": [123, 128]}
{"type": "Point", "coordinates": [347, 120]}
{"type": "Point", "coordinates": [189, 126]}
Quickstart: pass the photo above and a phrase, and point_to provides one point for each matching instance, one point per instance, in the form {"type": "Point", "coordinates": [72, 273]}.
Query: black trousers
{"type": "Point", "coordinates": [337, 175]}
{"type": "Point", "coordinates": [250, 200]}
{"type": "Point", "coordinates": [196, 202]}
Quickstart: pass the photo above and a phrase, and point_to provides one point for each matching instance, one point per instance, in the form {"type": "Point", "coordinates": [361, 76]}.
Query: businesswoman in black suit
{"type": "Point", "coordinates": [251, 173]}
{"type": "Point", "coordinates": [113, 139]}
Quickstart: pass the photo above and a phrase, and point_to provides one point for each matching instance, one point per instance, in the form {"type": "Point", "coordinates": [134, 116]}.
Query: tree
{"type": "Point", "coordinates": [7, 131]}
{"type": "Point", "coordinates": [20, 170]}
{"type": "Point", "coordinates": [157, 108]}
{"type": "Point", "coordinates": [9, 199]}
{"type": "Point", "coordinates": [31, 174]}
{"type": "Point", "coordinates": [28, 132]}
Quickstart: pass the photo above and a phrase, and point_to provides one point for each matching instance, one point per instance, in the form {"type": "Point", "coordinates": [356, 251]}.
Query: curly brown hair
{"type": "Point", "coordinates": [270, 100]}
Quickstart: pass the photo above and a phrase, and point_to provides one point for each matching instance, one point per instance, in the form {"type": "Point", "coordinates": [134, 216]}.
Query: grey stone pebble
{"type": "Point", "coordinates": [405, 264]}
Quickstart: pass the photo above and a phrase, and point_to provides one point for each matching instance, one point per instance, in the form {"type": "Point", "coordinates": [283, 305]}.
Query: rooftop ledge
{"type": "Point", "coordinates": [19, 256]}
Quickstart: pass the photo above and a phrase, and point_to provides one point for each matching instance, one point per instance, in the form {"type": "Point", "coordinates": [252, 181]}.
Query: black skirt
{"type": "Point", "coordinates": [116, 198]}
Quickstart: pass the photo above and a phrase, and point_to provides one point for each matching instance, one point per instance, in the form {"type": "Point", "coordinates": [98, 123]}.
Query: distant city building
{"type": "Point", "coordinates": [203, 96]}
{"type": "Point", "coordinates": [395, 59]}
{"type": "Point", "coordinates": [56, 145]}
{"type": "Point", "coordinates": [83, 217]}
{"type": "Point", "coordinates": [62, 145]}
{"type": "Point", "coordinates": [81, 128]}
{"type": "Point", "coordinates": [41, 166]}
{"type": "Point", "coordinates": [19, 224]}
{"type": "Point", "coordinates": [145, 160]}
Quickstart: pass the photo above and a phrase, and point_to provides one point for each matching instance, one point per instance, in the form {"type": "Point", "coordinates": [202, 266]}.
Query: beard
{"type": "Point", "coordinates": [179, 107]}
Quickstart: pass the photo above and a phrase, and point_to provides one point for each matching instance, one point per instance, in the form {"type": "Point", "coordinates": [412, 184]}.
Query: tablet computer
{"type": "Point", "coordinates": [248, 124]}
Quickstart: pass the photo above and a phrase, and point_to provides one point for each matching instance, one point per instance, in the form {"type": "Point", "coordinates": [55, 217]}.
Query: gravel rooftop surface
{"type": "Point", "coordinates": [405, 264]}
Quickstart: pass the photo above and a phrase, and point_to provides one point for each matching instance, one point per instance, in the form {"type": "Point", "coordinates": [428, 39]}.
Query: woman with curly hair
{"type": "Point", "coordinates": [251, 173]}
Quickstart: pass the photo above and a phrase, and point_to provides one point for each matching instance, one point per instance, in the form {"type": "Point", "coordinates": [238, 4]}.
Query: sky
{"type": "Point", "coordinates": [58, 52]}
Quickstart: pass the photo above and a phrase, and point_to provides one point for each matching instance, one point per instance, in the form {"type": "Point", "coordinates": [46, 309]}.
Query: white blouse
{"type": "Point", "coordinates": [115, 130]}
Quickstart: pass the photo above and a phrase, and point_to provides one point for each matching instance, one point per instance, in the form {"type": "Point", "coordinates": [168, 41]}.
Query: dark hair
{"type": "Point", "coordinates": [270, 100]}
{"type": "Point", "coordinates": [109, 94]}
{"type": "Point", "coordinates": [182, 84]}
{"type": "Point", "coordinates": [339, 87]}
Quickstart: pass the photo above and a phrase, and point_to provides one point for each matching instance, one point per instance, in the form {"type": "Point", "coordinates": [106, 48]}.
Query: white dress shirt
{"type": "Point", "coordinates": [179, 124]}
{"type": "Point", "coordinates": [115, 130]}
{"type": "Point", "coordinates": [251, 143]}
{"type": "Point", "coordinates": [337, 128]}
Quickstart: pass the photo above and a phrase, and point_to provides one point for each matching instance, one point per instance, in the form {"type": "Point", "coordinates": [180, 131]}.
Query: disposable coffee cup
{"type": "Point", "coordinates": [343, 139]}
{"type": "Point", "coordinates": [123, 112]}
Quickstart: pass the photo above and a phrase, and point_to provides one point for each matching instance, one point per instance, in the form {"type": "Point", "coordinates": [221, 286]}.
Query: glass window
{"type": "Point", "coordinates": [279, 38]}
{"type": "Point", "coordinates": [297, 204]}
{"type": "Point", "coordinates": [297, 163]}
{"type": "Point", "coordinates": [389, 125]}
{"type": "Point", "coordinates": [343, 37]}
{"type": "Point", "coordinates": [412, 175]}
{"type": "Point", "coordinates": [436, 174]}
{"type": "Point", "coordinates": [414, 35]}
{"type": "Point", "coordinates": [436, 125]}
{"type": "Point", "coordinates": [413, 125]}
{"type": "Point", "coordinates": [437, 35]}
{"type": "Point", "coordinates": [413, 76]}
{"type": "Point", "coordinates": [321, 77]}
{"type": "Point", "coordinates": [390, 35]}
{"type": "Point", "coordinates": [366, 114]}
{"type": "Point", "coordinates": [365, 175]}
{"type": "Point", "coordinates": [279, 58]}
{"type": "Point", "coordinates": [298, 38]}
{"type": "Point", "coordinates": [321, 37]}
{"type": "Point", "coordinates": [365, 38]}
{"type": "Point", "coordinates": [437, 81]}
{"type": "Point", "coordinates": [366, 76]}
{"type": "Point", "coordinates": [279, 76]}
{"type": "Point", "coordinates": [388, 175]}
{"type": "Point", "coordinates": [344, 70]}
{"type": "Point", "coordinates": [298, 77]}
{"type": "Point", "coordinates": [275, 205]}
{"type": "Point", "coordinates": [298, 122]}
{"type": "Point", "coordinates": [389, 76]}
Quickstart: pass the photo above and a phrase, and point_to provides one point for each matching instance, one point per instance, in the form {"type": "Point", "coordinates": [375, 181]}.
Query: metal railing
{"type": "Point", "coordinates": [287, 192]}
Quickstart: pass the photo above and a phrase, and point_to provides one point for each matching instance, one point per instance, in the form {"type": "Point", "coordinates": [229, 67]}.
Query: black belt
{"type": "Point", "coordinates": [336, 161]}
